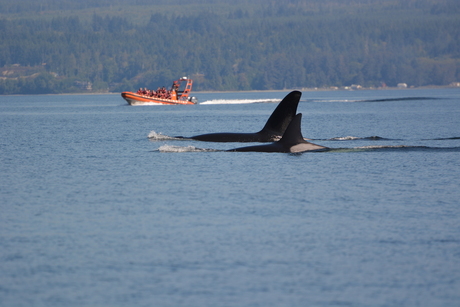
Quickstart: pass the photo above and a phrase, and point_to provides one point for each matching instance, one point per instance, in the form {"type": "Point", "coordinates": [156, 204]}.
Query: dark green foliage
{"type": "Point", "coordinates": [262, 45]}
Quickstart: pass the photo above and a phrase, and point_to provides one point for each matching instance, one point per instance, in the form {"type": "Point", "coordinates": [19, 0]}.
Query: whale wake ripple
{"type": "Point", "coordinates": [171, 148]}
{"type": "Point", "coordinates": [154, 136]}
{"type": "Point", "coordinates": [355, 138]}
{"type": "Point", "coordinates": [239, 101]}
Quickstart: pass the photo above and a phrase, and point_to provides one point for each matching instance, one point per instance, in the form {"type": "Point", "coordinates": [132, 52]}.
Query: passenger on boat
{"type": "Point", "coordinates": [175, 86]}
{"type": "Point", "coordinates": [161, 92]}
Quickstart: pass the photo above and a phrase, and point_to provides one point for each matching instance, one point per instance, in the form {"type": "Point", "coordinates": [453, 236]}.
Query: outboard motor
{"type": "Point", "coordinates": [193, 99]}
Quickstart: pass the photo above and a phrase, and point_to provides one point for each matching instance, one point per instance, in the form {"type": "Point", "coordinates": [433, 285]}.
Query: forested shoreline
{"type": "Point", "coordinates": [262, 46]}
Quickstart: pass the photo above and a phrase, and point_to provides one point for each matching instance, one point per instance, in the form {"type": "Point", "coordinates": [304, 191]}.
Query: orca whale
{"type": "Point", "coordinates": [291, 142]}
{"type": "Point", "coordinates": [272, 131]}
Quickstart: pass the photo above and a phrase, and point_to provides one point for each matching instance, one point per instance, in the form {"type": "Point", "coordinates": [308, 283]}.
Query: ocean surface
{"type": "Point", "coordinates": [101, 206]}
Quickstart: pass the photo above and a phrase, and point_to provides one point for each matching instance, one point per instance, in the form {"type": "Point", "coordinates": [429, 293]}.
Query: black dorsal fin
{"type": "Point", "coordinates": [293, 133]}
{"type": "Point", "coordinates": [282, 115]}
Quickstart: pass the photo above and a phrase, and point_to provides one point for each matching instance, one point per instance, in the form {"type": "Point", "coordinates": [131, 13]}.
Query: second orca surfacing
{"type": "Point", "coordinates": [291, 142]}
{"type": "Point", "coordinates": [272, 131]}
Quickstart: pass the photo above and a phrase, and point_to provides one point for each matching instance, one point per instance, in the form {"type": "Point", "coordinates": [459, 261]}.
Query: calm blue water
{"type": "Point", "coordinates": [94, 213]}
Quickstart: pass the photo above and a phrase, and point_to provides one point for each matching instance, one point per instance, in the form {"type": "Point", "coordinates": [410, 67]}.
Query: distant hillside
{"type": "Point", "coordinates": [59, 46]}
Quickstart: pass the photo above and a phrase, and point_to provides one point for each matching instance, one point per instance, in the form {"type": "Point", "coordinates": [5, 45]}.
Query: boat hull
{"type": "Point", "coordinates": [136, 99]}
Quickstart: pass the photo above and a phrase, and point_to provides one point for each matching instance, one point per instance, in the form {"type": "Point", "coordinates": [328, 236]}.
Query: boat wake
{"type": "Point", "coordinates": [240, 101]}
{"type": "Point", "coordinates": [399, 99]}
{"type": "Point", "coordinates": [373, 100]}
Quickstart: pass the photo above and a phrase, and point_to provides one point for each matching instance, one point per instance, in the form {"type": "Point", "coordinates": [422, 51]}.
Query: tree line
{"type": "Point", "coordinates": [282, 45]}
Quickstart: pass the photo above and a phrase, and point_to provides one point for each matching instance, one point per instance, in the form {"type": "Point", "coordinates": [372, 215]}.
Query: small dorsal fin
{"type": "Point", "coordinates": [293, 133]}
{"type": "Point", "coordinates": [292, 141]}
